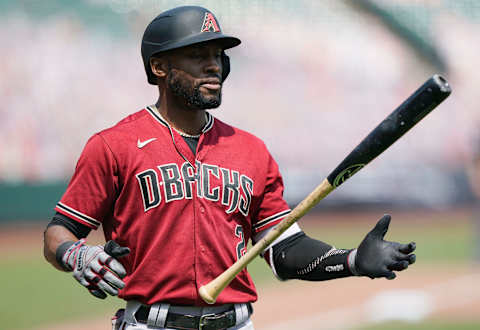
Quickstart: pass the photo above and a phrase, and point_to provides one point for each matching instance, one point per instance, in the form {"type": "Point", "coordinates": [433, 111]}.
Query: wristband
{"type": "Point", "coordinates": [62, 248]}
{"type": "Point", "coordinates": [351, 262]}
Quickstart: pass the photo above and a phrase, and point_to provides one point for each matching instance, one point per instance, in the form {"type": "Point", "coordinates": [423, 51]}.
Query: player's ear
{"type": "Point", "coordinates": [158, 67]}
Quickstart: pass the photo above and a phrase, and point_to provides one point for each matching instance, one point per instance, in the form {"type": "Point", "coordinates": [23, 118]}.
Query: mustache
{"type": "Point", "coordinates": [213, 79]}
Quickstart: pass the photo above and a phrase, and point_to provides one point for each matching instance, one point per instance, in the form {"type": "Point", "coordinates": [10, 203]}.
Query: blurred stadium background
{"type": "Point", "coordinates": [311, 78]}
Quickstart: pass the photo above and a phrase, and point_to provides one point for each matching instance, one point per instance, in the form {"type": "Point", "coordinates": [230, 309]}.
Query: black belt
{"type": "Point", "coordinates": [212, 321]}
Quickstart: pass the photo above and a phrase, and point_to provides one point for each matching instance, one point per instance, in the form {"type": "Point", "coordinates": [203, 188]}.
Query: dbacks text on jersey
{"type": "Point", "coordinates": [169, 183]}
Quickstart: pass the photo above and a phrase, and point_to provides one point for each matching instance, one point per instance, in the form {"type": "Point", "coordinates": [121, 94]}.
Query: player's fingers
{"type": "Point", "coordinates": [89, 275]}
{"type": "Point", "coordinates": [81, 279]}
{"type": "Point", "coordinates": [104, 279]}
{"type": "Point", "coordinates": [97, 279]}
{"type": "Point", "coordinates": [113, 264]}
{"type": "Point", "coordinates": [108, 274]}
{"type": "Point", "coordinates": [407, 248]}
{"type": "Point", "coordinates": [384, 271]}
{"type": "Point", "coordinates": [104, 286]}
{"type": "Point", "coordinates": [399, 266]}
{"type": "Point", "coordinates": [412, 258]}
{"type": "Point", "coordinates": [388, 274]}
{"type": "Point", "coordinates": [117, 267]}
{"type": "Point", "coordinates": [95, 263]}
{"type": "Point", "coordinates": [398, 256]}
{"type": "Point", "coordinates": [95, 291]}
{"type": "Point", "coordinates": [98, 293]}
{"type": "Point", "coordinates": [96, 266]}
{"type": "Point", "coordinates": [381, 227]}
{"type": "Point", "coordinates": [111, 279]}
{"type": "Point", "coordinates": [115, 250]}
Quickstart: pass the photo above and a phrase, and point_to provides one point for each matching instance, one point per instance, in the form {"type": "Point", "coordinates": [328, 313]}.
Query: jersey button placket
{"type": "Point", "coordinates": [199, 248]}
{"type": "Point", "coordinates": [203, 269]}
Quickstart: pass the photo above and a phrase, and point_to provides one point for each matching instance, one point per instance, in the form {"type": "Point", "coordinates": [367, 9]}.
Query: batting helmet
{"type": "Point", "coordinates": [180, 27]}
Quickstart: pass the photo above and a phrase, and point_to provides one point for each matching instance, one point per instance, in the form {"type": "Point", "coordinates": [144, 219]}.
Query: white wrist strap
{"type": "Point", "coordinates": [351, 262]}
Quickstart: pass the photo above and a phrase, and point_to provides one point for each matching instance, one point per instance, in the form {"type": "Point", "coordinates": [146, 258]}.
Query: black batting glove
{"type": "Point", "coordinates": [376, 257]}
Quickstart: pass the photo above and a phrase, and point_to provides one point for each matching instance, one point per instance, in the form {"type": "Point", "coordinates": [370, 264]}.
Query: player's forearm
{"type": "Point", "coordinates": [54, 236]}
{"type": "Point", "coordinates": [301, 257]}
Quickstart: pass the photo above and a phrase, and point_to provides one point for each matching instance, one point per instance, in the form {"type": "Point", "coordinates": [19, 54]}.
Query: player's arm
{"type": "Point", "coordinates": [61, 229]}
{"type": "Point", "coordinates": [301, 257]}
{"type": "Point", "coordinates": [95, 267]}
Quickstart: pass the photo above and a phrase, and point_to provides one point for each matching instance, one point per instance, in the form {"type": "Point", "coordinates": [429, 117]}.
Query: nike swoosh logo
{"type": "Point", "coordinates": [141, 144]}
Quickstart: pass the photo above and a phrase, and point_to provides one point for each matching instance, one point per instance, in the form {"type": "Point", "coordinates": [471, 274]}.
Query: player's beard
{"type": "Point", "coordinates": [185, 88]}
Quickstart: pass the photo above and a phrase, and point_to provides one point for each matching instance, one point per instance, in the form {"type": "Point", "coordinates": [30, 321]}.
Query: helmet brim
{"type": "Point", "coordinates": [224, 41]}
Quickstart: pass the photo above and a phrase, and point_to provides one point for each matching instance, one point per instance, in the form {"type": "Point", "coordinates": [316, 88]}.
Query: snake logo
{"type": "Point", "coordinates": [346, 174]}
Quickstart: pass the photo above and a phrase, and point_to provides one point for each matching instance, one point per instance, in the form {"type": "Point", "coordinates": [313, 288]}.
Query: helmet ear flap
{"type": "Point", "coordinates": [225, 66]}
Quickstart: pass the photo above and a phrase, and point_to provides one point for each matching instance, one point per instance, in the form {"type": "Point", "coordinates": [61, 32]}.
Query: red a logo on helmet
{"type": "Point", "coordinates": [210, 24]}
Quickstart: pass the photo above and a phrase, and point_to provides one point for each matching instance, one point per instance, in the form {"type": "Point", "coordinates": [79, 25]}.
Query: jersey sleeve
{"type": "Point", "coordinates": [92, 190]}
{"type": "Point", "coordinates": [272, 208]}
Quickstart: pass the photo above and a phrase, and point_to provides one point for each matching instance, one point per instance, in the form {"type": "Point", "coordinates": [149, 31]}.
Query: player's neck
{"type": "Point", "coordinates": [189, 121]}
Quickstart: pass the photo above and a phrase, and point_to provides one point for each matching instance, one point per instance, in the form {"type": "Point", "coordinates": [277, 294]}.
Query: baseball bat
{"type": "Point", "coordinates": [411, 111]}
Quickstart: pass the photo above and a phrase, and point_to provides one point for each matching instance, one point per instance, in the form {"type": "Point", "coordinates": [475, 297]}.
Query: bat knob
{"type": "Point", "coordinates": [207, 297]}
{"type": "Point", "coordinates": [442, 83]}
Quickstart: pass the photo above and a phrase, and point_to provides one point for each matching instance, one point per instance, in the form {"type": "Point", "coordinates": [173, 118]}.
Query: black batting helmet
{"type": "Point", "coordinates": [180, 27]}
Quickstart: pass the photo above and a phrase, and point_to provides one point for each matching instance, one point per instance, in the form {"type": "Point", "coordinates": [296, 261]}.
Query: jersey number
{"type": "Point", "coordinates": [241, 246]}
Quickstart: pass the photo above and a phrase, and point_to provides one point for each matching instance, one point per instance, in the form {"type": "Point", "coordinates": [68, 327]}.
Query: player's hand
{"type": "Point", "coordinates": [376, 257]}
{"type": "Point", "coordinates": [96, 268]}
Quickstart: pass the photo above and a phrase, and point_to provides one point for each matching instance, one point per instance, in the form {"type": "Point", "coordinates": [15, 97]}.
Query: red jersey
{"type": "Point", "coordinates": [185, 217]}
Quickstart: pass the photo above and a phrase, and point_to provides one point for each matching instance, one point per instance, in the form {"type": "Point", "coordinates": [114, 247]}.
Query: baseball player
{"type": "Point", "coordinates": [179, 194]}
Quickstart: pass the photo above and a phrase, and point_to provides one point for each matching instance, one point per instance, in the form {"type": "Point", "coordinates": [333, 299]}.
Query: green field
{"type": "Point", "coordinates": [35, 294]}
{"type": "Point", "coordinates": [39, 294]}
{"type": "Point", "coordinates": [430, 325]}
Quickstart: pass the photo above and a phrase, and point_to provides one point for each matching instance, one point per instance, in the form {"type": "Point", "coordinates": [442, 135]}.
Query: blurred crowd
{"type": "Point", "coordinates": [311, 85]}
